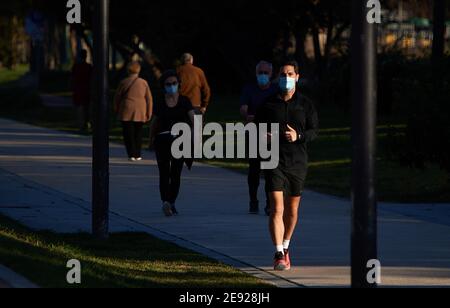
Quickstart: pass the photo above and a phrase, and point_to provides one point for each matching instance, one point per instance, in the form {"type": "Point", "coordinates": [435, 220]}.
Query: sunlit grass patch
{"type": "Point", "coordinates": [125, 260]}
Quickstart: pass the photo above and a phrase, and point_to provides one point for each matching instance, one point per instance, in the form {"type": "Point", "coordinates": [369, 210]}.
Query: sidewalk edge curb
{"type": "Point", "coordinates": [15, 280]}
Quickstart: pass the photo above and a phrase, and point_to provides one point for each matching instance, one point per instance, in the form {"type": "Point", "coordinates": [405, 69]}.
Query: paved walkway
{"type": "Point", "coordinates": [10, 279]}
{"type": "Point", "coordinates": [45, 183]}
{"type": "Point", "coordinates": [53, 101]}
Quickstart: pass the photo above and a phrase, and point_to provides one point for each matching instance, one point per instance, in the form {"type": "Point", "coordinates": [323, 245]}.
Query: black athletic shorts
{"type": "Point", "coordinates": [289, 181]}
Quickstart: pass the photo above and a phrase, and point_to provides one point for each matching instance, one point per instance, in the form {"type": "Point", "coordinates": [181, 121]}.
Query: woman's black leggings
{"type": "Point", "coordinates": [132, 136]}
{"type": "Point", "coordinates": [169, 169]}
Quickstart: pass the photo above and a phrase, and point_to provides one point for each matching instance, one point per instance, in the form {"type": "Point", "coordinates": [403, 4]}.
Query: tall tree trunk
{"type": "Point", "coordinates": [330, 38]}
{"type": "Point", "coordinates": [7, 54]}
{"type": "Point", "coordinates": [62, 45]}
{"type": "Point", "coordinates": [438, 34]}
{"type": "Point", "coordinates": [317, 51]}
{"type": "Point", "coordinates": [286, 41]}
{"type": "Point", "coordinates": [52, 46]}
{"type": "Point", "coordinates": [14, 41]}
{"type": "Point", "coordinates": [300, 48]}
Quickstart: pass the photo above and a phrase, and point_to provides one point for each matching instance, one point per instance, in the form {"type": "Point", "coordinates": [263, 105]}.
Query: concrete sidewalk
{"type": "Point", "coordinates": [53, 101]}
{"type": "Point", "coordinates": [10, 279]}
{"type": "Point", "coordinates": [45, 183]}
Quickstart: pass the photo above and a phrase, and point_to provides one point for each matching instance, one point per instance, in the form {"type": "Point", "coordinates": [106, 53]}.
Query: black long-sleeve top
{"type": "Point", "coordinates": [300, 114]}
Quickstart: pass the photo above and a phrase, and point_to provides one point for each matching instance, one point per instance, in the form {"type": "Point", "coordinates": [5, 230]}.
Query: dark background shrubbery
{"type": "Point", "coordinates": [422, 98]}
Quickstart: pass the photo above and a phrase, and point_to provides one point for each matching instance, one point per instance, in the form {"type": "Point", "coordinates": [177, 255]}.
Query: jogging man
{"type": "Point", "coordinates": [298, 125]}
{"type": "Point", "coordinates": [253, 96]}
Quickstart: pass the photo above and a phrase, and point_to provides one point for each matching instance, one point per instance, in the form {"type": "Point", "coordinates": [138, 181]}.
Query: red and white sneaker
{"type": "Point", "coordinates": [279, 262]}
{"type": "Point", "coordinates": [287, 259]}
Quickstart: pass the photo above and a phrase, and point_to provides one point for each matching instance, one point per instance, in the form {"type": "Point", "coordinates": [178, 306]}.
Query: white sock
{"type": "Point", "coordinates": [286, 244]}
{"type": "Point", "coordinates": [280, 248]}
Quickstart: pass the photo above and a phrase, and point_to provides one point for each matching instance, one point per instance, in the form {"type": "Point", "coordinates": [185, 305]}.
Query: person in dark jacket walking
{"type": "Point", "coordinates": [81, 86]}
{"type": "Point", "coordinates": [253, 96]}
{"type": "Point", "coordinates": [298, 125]}
{"type": "Point", "coordinates": [172, 109]}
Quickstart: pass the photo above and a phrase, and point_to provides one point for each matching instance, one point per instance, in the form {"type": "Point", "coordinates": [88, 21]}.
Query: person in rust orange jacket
{"type": "Point", "coordinates": [194, 84]}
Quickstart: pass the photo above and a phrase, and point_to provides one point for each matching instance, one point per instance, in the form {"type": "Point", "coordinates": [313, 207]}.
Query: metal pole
{"type": "Point", "coordinates": [100, 159]}
{"type": "Point", "coordinates": [364, 99]}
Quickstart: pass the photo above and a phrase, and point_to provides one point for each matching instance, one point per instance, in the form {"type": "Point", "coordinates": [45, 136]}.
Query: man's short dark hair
{"type": "Point", "coordinates": [166, 75]}
{"type": "Point", "coordinates": [291, 63]}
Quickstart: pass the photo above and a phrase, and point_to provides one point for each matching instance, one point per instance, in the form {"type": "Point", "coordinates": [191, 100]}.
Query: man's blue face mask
{"type": "Point", "coordinates": [173, 89]}
{"type": "Point", "coordinates": [287, 84]}
{"type": "Point", "coordinates": [263, 79]}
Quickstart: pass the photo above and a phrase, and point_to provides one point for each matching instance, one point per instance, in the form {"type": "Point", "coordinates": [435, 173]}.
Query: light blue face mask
{"type": "Point", "coordinates": [263, 79]}
{"type": "Point", "coordinates": [287, 84]}
{"type": "Point", "coordinates": [173, 89]}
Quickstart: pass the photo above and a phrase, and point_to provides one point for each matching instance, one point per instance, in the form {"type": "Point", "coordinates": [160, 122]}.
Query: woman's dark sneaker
{"type": "Point", "coordinates": [167, 209]}
{"type": "Point", "coordinates": [279, 263]}
{"type": "Point", "coordinates": [174, 210]}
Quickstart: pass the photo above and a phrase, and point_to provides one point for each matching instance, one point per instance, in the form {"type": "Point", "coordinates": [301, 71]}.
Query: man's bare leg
{"type": "Point", "coordinates": [276, 226]}
{"type": "Point", "coordinates": [290, 216]}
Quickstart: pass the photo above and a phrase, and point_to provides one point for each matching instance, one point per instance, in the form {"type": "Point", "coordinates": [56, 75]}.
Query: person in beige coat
{"type": "Point", "coordinates": [134, 105]}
